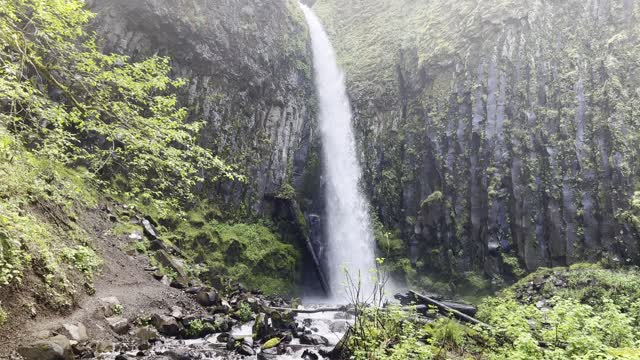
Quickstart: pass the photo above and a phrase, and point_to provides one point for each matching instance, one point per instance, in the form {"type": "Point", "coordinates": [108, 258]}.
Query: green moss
{"type": "Point", "coordinates": [436, 196]}
{"type": "Point", "coordinates": [250, 253]}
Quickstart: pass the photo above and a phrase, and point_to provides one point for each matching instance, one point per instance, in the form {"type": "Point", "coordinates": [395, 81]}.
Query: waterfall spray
{"type": "Point", "coordinates": [348, 227]}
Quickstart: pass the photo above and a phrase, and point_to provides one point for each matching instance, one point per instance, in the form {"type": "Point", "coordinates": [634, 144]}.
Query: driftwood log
{"type": "Point", "coordinates": [445, 309]}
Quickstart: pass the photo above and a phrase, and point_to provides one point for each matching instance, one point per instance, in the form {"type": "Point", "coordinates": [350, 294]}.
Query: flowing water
{"type": "Point", "coordinates": [350, 239]}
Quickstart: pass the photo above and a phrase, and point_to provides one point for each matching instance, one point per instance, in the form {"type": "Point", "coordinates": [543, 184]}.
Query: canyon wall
{"type": "Point", "coordinates": [497, 135]}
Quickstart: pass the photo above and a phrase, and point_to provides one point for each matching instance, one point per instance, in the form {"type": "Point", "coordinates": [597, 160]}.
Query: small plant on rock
{"type": "Point", "coordinates": [244, 312]}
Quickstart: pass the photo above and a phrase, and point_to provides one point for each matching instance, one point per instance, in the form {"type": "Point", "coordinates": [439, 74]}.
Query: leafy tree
{"type": "Point", "coordinates": [71, 103]}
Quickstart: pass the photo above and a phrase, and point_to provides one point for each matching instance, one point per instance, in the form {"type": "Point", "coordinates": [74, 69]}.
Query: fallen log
{"type": "Point", "coordinates": [463, 308]}
{"type": "Point", "coordinates": [446, 310]}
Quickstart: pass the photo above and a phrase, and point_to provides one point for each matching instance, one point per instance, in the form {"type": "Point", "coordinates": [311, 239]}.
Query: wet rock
{"type": "Point", "coordinates": [55, 348]}
{"type": "Point", "coordinates": [222, 323]}
{"type": "Point", "coordinates": [76, 332]}
{"type": "Point", "coordinates": [149, 229]}
{"type": "Point", "coordinates": [118, 324]}
{"type": "Point", "coordinates": [261, 328]}
{"type": "Point", "coordinates": [310, 355]}
{"type": "Point", "coordinates": [268, 354]}
{"type": "Point", "coordinates": [208, 298]}
{"type": "Point", "coordinates": [166, 325]}
{"type": "Point", "coordinates": [313, 339]}
{"type": "Point", "coordinates": [122, 357]}
{"type": "Point", "coordinates": [246, 348]}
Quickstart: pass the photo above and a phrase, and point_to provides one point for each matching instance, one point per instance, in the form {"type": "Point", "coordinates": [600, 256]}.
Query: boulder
{"type": "Point", "coordinates": [246, 348]}
{"type": "Point", "coordinates": [76, 332]}
{"type": "Point", "coordinates": [170, 262]}
{"type": "Point", "coordinates": [262, 328]}
{"type": "Point", "coordinates": [310, 355]}
{"type": "Point", "coordinates": [156, 245]}
{"type": "Point", "coordinates": [118, 324]}
{"type": "Point", "coordinates": [109, 305]}
{"type": "Point", "coordinates": [268, 354]}
{"type": "Point", "coordinates": [166, 325]}
{"type": "Point", "coordinates": [146, 334]}
{"type": "Point", "coordinates": [149, 229]}
{"type": "Point", "coordinates": [313, 339]}
{"type": "Point", "coordinates": [176, 312]}
{"type": "Point", "coordinates": [55, 348]}
{"type": "Point", "coordinates": [208, 298]}
{"type": "Point", "coordinates": [104, 347]}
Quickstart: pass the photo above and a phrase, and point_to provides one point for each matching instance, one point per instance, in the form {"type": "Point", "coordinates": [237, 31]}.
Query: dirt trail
{"type": "Point", "coordinates": [122, 275]}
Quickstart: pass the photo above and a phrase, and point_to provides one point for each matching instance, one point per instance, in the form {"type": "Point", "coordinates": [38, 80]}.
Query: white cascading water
{"type": "Point", "coordinates": [348, 227]}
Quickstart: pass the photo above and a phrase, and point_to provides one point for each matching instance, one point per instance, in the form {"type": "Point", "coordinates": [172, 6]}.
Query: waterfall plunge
{"type": "Point", "coordinates": [348, 227]}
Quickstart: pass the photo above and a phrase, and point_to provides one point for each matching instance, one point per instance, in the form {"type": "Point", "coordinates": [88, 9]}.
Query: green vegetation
{"type": "Point", "coordinates": [250, 253]}
{"type": "Point", "coordinates": [244, 313]}
{"type": "Point", "coordinates": [76, 124]}
{"type": "Point", "coordinates": [198, 328]}
{"type": "Point", "coordinates": [581, 312]}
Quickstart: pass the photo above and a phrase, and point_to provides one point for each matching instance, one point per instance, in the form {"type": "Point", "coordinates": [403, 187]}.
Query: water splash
{"type": "Point", "coordinates": [348, 227]}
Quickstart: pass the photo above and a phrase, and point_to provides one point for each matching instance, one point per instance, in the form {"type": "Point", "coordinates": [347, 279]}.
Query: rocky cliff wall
{"type": "Point", "coordinates": [247, 67]}
{"type": "Point", "coordinates": [497, 134]}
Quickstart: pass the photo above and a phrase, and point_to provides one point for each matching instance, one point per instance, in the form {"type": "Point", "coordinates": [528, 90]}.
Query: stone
{"type": "Point", "coordinates": [146, 334]}
{"type": "Point", "coordinates": [246, 350]}
{"type": "Point", "coordinates": [261, 327]}
{"type": "Point", "coordinates": [165, 281]}
{"type": "Point", "coordinates": [194, 290]}
{"type": "Point", "coordinates": [166, 325]}
{"type": "Point", "coordinates": [157, 245]}
{"type": "Point", "coordinates": [248, 341]}
{"type": "Point", "coordinates": [310, 355]}
{"type": "Point", "coordinates": [313, 339]}
{"type": "Point", "coordinates": [268, 354]}
{"type": "Point", "coordinates": [208, 298]}
{"type": "Point", "coordinates": [179, 283]}
{"type": "Point", "coordinates": [54, 348]}
{"type": "Point", "coordinates": [170, 262]}
{"type": "Point", "coordinates": [135, 236]}
{"type": "Point", "coordinates": [339, 326]}
{"type": "Point", "coordinates": [122, 357]}
{"type": "Point", "coordinates": [76, 332]}
{"type": "Point", "coordinates": [104, 347]}
{"type": "Point", "coordinates": [176, 312]}
{"type": "Point", "coordinates": [109, 305]}
{"type": "Point", "coordinates": [118, 324]}
{"type": "Point", "coordinates": [149, 229]}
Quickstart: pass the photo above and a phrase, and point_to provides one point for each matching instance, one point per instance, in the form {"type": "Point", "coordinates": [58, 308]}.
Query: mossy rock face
{"type": "Point", "coordinates": [249, 253]}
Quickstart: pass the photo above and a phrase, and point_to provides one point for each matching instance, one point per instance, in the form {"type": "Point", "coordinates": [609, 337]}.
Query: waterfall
{"type": "Point", "coordinates": [350, 241]}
